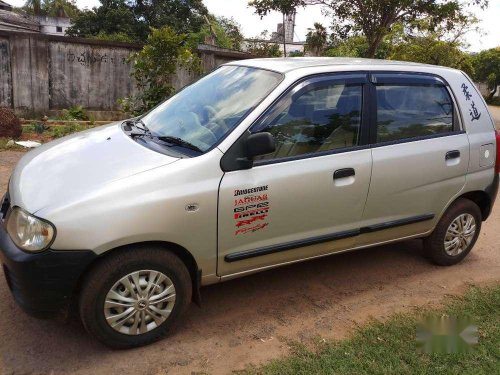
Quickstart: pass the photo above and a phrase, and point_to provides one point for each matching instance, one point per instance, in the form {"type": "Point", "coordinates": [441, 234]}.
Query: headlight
{"type": "Point", "coordinates": [29, 232]}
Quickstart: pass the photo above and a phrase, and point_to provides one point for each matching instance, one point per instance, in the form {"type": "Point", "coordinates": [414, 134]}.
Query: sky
{"type": "Point", "coordinates": [252, 25]}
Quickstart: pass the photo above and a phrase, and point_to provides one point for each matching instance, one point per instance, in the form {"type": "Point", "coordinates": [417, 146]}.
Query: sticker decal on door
{"type": "Point", "coordinates": [251, 209]}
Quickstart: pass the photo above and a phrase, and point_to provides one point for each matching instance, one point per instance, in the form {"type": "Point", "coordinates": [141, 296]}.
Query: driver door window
{"type": "Point", "coordinates": [316, 119]}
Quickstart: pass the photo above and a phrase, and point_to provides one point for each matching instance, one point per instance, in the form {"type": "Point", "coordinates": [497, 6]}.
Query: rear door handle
{"type": "Point", "coordinates": [343, 173]}
{"type": "Point", "coordinates": [452, 155]}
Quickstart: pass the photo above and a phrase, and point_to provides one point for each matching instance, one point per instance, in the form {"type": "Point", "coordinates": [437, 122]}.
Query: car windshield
{"type": "Point", "coordinates": [206, 111]}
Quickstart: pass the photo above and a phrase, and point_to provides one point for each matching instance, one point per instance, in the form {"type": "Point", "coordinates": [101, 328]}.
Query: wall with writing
{"type": "Point", "coordinates": [42, 73]}
{"type": "Point", "coordinates": [92, 76]}
{"type": "Point", "coordinates": [5, 75]}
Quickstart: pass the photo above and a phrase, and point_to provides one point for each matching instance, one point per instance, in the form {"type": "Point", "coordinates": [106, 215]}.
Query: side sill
{"type": "Point", "coordinates": [246, 254]}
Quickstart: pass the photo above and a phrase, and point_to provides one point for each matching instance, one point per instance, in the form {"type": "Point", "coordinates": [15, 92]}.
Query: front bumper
{"type": "Point", "coordinates": [42, 283]}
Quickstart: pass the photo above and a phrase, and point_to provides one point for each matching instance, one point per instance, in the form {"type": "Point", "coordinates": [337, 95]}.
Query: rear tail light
{"type": "Point", "coordinates": [497, 164]}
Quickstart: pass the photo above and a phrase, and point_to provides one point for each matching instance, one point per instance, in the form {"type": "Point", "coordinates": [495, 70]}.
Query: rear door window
{"type": "Point", "coordinates": [409, 110]}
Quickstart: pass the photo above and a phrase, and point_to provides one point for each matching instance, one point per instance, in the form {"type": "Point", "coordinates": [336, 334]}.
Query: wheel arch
{"type": "Point", "coordinates": [481, 199]}
{"type": "Point", "coordinates": [182, 253]}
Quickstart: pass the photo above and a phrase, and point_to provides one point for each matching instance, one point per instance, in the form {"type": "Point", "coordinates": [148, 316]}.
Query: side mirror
{"type": "Point", "coordinates": [259, 144]}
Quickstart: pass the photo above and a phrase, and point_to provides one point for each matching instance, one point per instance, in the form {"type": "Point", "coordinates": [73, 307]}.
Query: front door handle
{"type": "Point", "coordinates": [343, 173]}
{"type": "Point", "coordinates": [454, 154]}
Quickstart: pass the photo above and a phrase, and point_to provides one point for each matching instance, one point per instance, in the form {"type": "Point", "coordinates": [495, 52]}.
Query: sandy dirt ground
{"type": "Point", "coordinates": [253, 319]}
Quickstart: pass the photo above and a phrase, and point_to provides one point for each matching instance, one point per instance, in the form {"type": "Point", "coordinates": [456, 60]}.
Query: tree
{"type": "Point", "coordinates": [375, 18]}
{"type": "Point", "coordinates": [60, 8]}
{"type": "Point", "coordinates": [285, 7]}
{"type": "Point", "coordinates": [431, 50]}
{"type": "Point", "coordinates": [135, 18]}
{"type": "Point", "coordinates": [183, 16]}
{"type": "Point", "coordinates": [33, 7]}
{"type": "Point", "coordinates": [233, 31]}
{"type": "Point", "coordinates": [487, 69]}
{"type": "Point", "coordinates": [224, 32]}
{"type": "Point", "coordinates": [113, 17]}
{"type": "Point", "coordinates": [316, 39]}
{"type": "Point", "coordinates": [52, 8]}
{"type": "Point", "coordinates": [260, 47]}
{"type": "Point", "coordinates": [154, 67]}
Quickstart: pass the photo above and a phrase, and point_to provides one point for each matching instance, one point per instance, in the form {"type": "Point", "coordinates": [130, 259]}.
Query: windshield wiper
{"type": "Point", "coordinates": [145, 130]}
{"type": "Point", "coordinates": [179, 142]}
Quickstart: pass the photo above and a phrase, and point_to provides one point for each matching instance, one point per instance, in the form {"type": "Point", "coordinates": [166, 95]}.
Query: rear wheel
{"type": "Point", "coordinates": [455, 234]}
{"type": "Point", "coordinates": [135, 297]}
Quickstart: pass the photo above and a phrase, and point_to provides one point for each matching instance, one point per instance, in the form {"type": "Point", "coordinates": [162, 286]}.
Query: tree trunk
{"type": "Point", "coordinates": [373, 45]}
{"type": "Point", "coordinates": [492, 93]}
{"type": "Point", "coordinates": [284, 36]}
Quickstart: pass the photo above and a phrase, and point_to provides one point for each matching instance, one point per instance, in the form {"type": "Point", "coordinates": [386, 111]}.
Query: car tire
{"type": "Point", "coordinates": [452, 239]}
{"type": "Point", "coordinates": [128, 272]}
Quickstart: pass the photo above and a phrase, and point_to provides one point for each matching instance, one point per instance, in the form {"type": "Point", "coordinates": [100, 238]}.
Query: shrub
{"type": "Point", "coordinates": [40, 128]}
{"type": "Point", "coordinates": [155, 65]}
{"type": "Point", "coordinates": [64, 130]}
{"type": "Point", "coordinates": [73, 113]}
{"type": "Point", "coordinates": [493, 101]}
{"type": "Point", "coordinates": [78, 113]}
{"type": "Point", "coordinates": [10, 126]}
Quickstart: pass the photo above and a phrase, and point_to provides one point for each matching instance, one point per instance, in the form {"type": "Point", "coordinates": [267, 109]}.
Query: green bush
{"type": "Point", "coordinates": [78, 113]}
{"type": "Point", "coordinates": [155, 65]}
{"type": "Point", "coordinates": [40, 128]}
{"type": "Point", "coordinates": [72, 114]}
{"type": "Point", "coordinates": [64, 130]}
{"type": "Point", "coordinates": [493, 101]}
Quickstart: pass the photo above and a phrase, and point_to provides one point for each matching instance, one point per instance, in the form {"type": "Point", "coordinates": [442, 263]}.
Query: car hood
{"type": "Point", "coordinates": [72, 167]}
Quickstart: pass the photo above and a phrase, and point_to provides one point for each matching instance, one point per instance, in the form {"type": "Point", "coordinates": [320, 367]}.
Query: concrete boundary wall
{"type": "Point", "coordinates": [40, 73]}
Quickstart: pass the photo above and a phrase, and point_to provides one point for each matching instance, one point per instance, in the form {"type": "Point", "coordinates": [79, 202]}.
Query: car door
{"type": "Point", "coordinates": [306, 198]}
{"type": "Point", "coordinates": [420, 156]}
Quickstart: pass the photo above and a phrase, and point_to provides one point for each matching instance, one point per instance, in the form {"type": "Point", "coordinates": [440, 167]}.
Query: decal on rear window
{"type": "Point", "coordinates": [251, 209]}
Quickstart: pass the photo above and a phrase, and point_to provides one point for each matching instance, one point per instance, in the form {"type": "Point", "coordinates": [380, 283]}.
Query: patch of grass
{"type": "Point", "coordinates": [63, 130]}
{"type": "Point", "coordinates": [3, 145]}
{"type": "Point", "coordinates": [390, 347]}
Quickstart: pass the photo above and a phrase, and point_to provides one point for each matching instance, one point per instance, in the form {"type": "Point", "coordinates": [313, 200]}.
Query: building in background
{"type": "Point", "coordinates": [292, 47]}
{"type": "Point", "coordinates": [289, 30]}
{"type": "Point", "coordinates": [13, 21]}
{"type": "Point", "coordinates": [5, 6]}
{"type": "Point", "coordinates": [53, 25]}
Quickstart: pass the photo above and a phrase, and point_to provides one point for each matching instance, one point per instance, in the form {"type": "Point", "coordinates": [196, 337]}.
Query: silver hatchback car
{"type": "Point", "coordinates": [259, 164]}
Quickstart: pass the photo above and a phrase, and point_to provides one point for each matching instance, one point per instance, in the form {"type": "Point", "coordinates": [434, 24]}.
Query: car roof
{"type": "Point", "coordinates": [284, 65]}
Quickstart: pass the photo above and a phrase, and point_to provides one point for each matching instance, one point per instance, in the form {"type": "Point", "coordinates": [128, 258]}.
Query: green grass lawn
{"type": "Point", "coordinates": [391, 348]}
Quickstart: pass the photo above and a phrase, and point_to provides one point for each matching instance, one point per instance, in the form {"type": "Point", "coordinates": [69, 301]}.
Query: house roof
{"type": "Point", "coordinates": [14, 21]}
{"type": "Point", "coordinates": [5, 6]}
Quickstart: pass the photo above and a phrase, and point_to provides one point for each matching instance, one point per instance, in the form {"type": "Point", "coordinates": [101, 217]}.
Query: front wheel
{"type": "Point", "coordinates": [134, 297]}
{"type": "Point", "coordinates": [455, 234]}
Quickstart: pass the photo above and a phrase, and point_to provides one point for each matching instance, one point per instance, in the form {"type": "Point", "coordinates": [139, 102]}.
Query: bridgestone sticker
{"type": "Point", "coordinates": [251, 209]}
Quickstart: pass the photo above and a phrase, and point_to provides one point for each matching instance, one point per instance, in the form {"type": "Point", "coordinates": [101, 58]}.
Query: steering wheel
{"type": "Point", "coordinates": [212, 123]}
{"type": "Point", "coordinates": [210, 111]}
{"type": "Point", "coordinates": [188, 123]}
